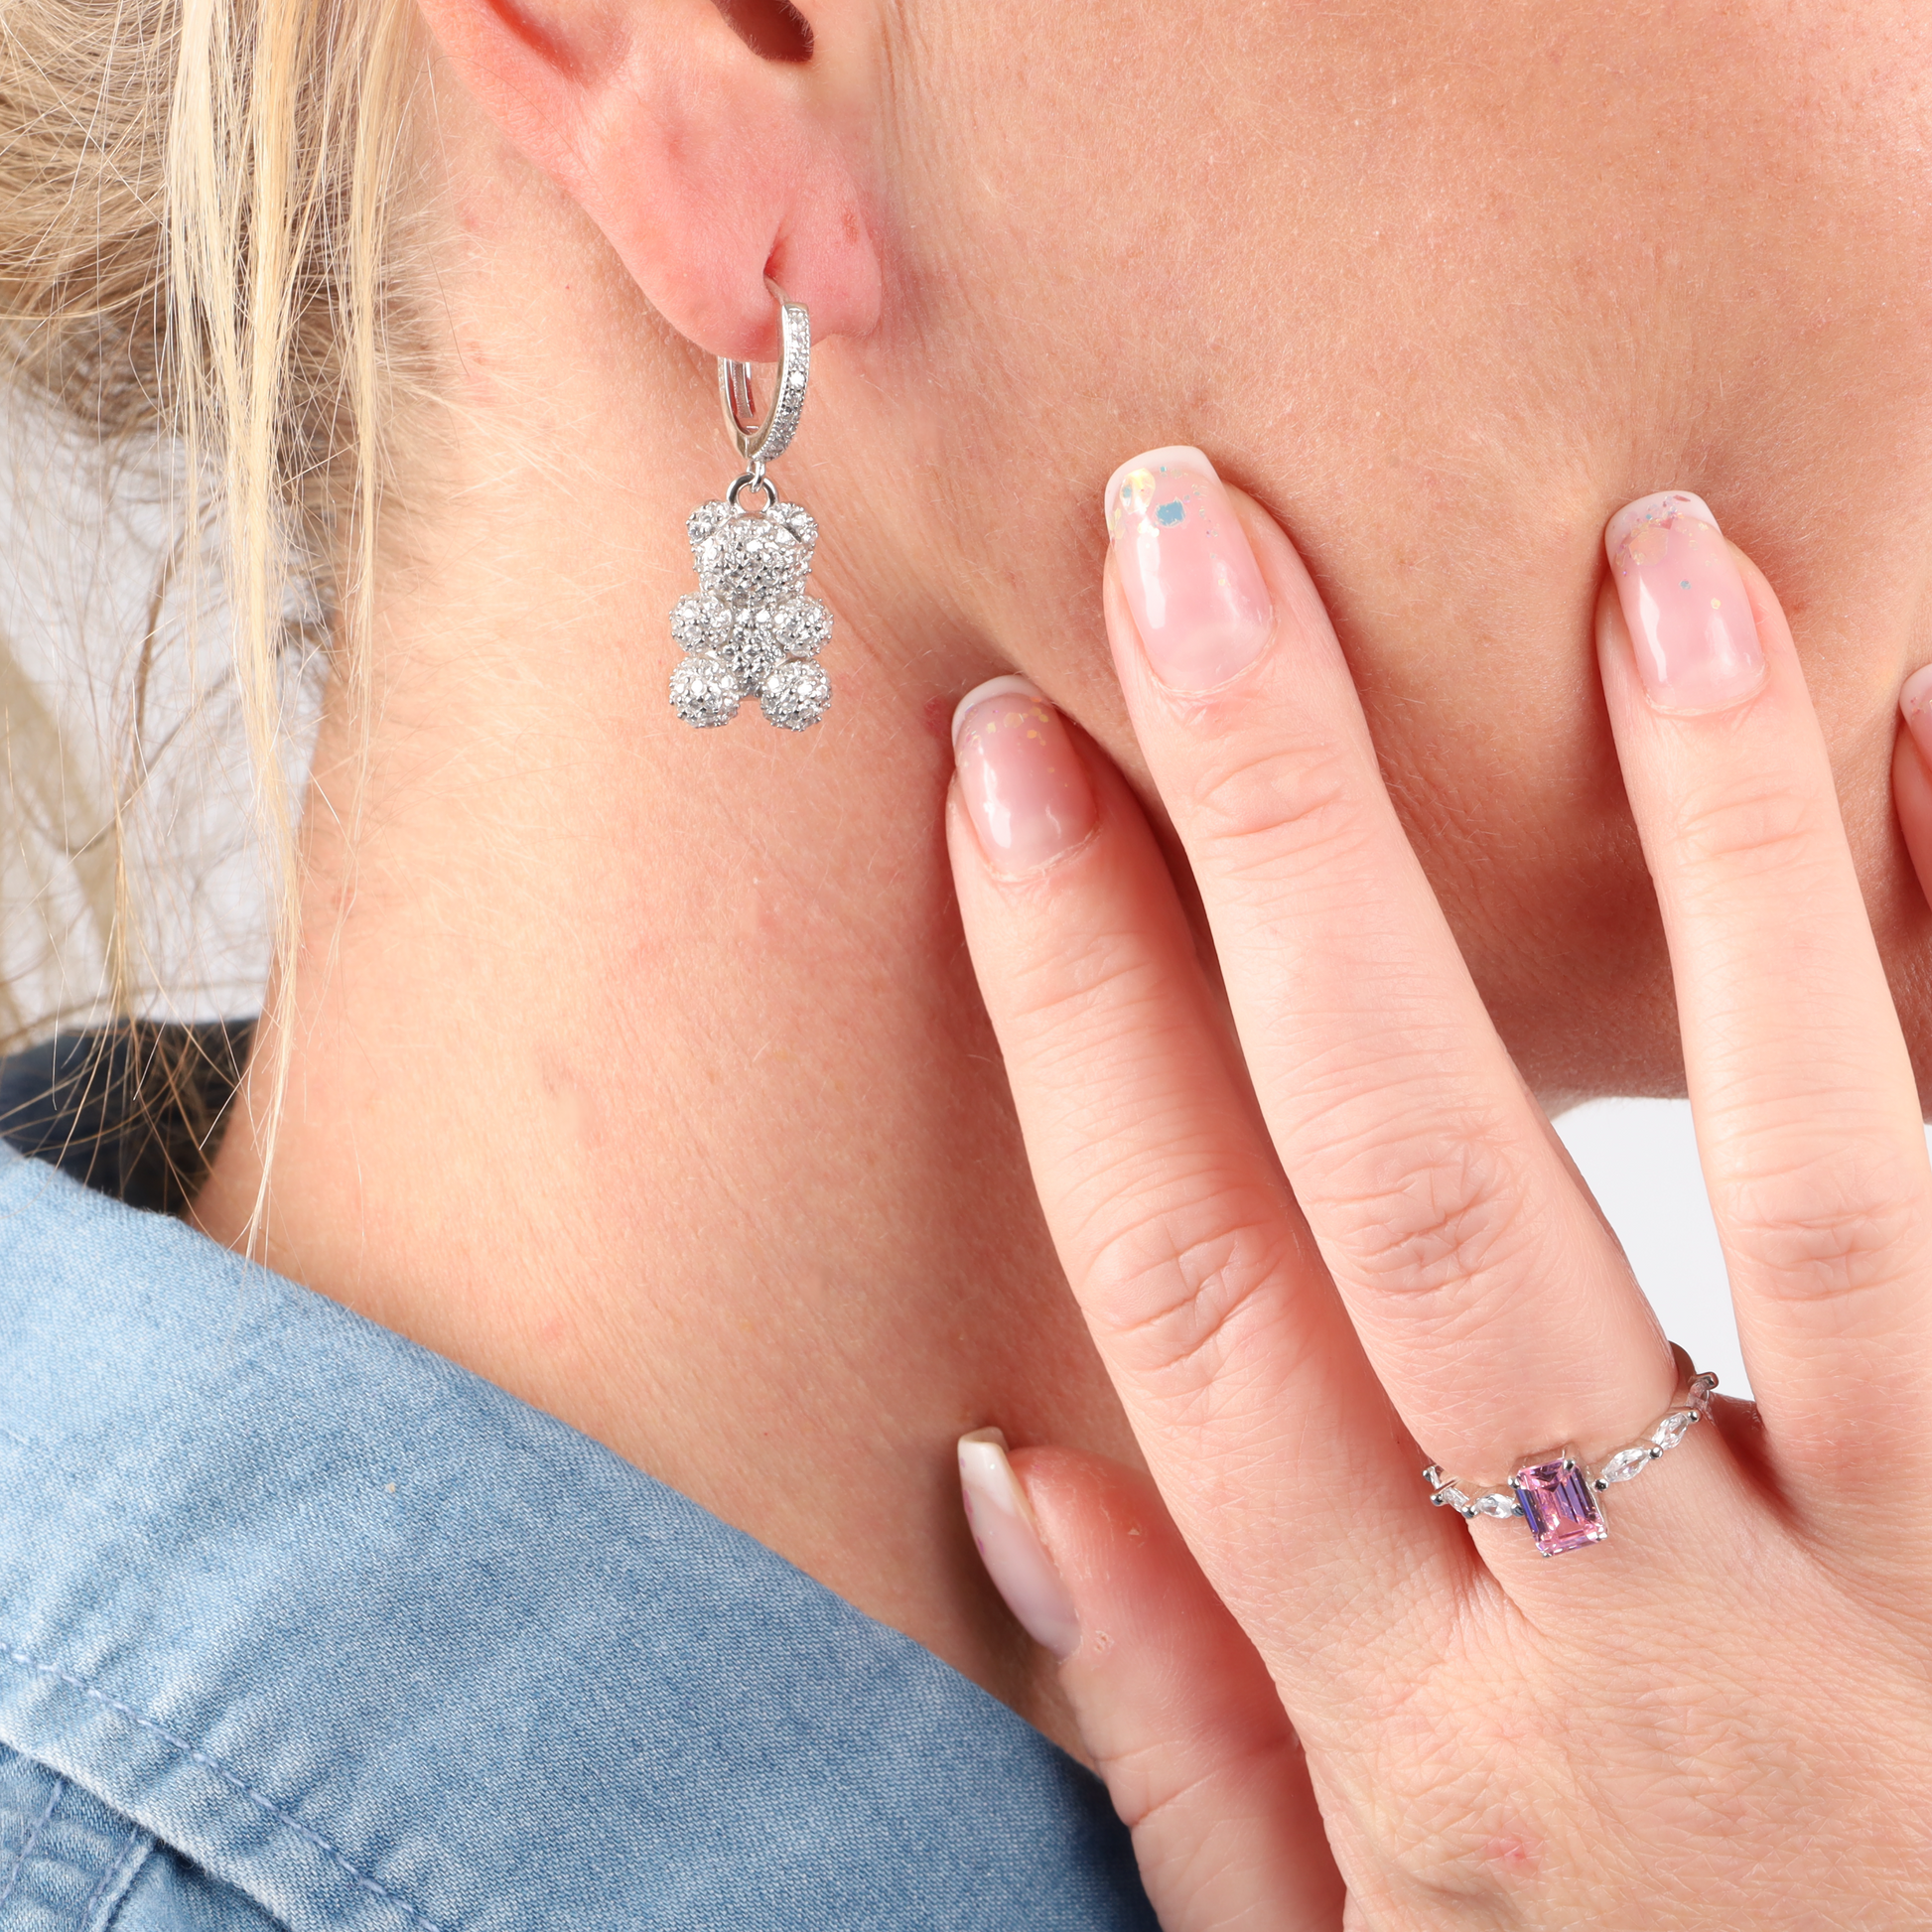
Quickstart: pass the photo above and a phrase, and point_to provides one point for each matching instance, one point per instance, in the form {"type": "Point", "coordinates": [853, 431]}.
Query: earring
{"type": "Point", "coordinates": [750, 626]}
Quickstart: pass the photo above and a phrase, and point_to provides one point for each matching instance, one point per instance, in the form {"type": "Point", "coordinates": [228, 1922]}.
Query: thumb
{"type": "Point", "coordinates": [1177, 1707]}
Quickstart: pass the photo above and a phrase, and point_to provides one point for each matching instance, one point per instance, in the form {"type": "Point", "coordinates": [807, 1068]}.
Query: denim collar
{"type": "Point", "coordinates": [380, 1646]}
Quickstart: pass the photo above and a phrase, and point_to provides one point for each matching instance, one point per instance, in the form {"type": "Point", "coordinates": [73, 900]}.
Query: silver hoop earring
{"type": "Point", "coordinates": [750, 626]}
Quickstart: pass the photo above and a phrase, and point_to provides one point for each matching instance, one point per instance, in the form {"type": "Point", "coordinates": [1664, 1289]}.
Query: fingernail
{"type": "Point", "coordinates": [1191, 581]}
{"type": "Point", "coordinates": [1026, 788]}
{"type": "Point", "coordinates": [1009, 1543]}
{"type": "Point", "coordinates": [1915, 706]}
{"type": "Point", "coordinates": [1689, 620]}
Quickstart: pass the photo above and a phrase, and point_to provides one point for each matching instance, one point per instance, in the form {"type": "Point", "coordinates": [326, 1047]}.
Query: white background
{"type": "Point", "coordinates": [1640, 1160]}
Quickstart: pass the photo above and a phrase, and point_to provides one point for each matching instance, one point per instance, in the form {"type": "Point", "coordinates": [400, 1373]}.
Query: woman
{"type": "Point", "coordinates": [638, 1071]}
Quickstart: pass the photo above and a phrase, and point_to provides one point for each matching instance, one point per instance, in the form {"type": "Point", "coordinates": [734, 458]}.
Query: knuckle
{"type": "Point", "coordinates": [1828, 1221]}
{"type": "Point", "coordinates": [1253, 806]}
{"type": "Point", "coordinates": [1425, 1218]}
{"type": "Point", "coordinates": [1182, 1288]}
{"type": "Point", "coordinates": [1172, 1811]}
{"type": "Point", "coordinates": [1754, 826]}
{"type": "Point", "coordinates": [1480, 1815]}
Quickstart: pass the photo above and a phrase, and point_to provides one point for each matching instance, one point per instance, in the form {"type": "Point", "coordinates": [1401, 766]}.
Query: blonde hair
{"type": "Point", "coordinates": [194, 201]}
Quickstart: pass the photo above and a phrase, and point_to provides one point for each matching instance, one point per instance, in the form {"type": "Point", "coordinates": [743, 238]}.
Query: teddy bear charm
{"type": "Point", "coordinates": [750, 626]}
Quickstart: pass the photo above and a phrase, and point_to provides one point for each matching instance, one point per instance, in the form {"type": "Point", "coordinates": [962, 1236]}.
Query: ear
{"type": "Point", "coordinates": [711, 150]}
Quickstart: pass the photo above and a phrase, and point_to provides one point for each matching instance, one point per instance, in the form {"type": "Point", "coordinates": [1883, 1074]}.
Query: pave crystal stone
{"type": "Point", "coordinates": [1626, 1463]}
{"type": "Point", "coordinates": [1557, 1500]}
{"type": "Point", "coordinates": [802, 627]}
{"type": "Point", "coordinates": [1674, 1428]}
{"type": "Point", "coordinates": [749, 627]}
{"type": "Point", "coordinates": [700, 624]}
{"type": "Point", "coordinates": [795, 694]}
{"type": "Point", "coordinates": [799, 521]}
{"type": "Point", "coordinates": [706, 518]}
{"type": "Point", "coordinates": [752, 561]}
{"type": "Point", "coordinates": [752, 648]}
{"type": "Point", "coordinates": [704, 692]}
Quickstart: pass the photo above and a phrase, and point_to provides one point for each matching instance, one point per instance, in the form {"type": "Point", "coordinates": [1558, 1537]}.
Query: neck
{"type": "Point", "coordinates": [641, 1070]}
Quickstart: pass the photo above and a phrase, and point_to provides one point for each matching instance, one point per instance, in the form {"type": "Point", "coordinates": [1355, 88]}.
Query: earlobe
{"type": "Point", "coordinates": [709, 155]}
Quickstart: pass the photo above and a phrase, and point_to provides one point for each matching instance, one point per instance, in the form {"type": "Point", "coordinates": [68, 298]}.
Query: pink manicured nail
{"type": "Point", "coordinates": [1191, 581]}
{"type": "Point", "coordinates": [1009, 1543]}
{"type": "Point", "coordinates": [1024, 786]}
{"type": "Point", "coordinates": [1915, 706]}
{"type": "Point", "coordinates": [1689, 620]}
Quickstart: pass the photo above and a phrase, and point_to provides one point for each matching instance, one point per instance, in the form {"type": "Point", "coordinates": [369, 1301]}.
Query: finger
{"type": "Point", "coordinates": [1236, 1364]}
{"type": "Point", "coordinates": [1807, 1112]}
{"type": "Point", "coordinates": [1911, 774]}
{"type": "Point", "coordinates": [1173, 1701]}
{"type": "Point", "coordinates": [1495, 1306]}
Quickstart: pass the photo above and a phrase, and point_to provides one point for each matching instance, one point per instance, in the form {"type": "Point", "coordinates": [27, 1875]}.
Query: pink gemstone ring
{"type": "Point", "coordinates": [1553, 1493]}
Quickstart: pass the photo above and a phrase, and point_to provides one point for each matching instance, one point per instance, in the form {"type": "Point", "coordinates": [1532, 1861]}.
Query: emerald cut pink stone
{"type": "Point", "coordinates": [1557, 1501]}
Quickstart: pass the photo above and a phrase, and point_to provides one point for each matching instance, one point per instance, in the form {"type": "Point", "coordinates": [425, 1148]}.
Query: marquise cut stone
{"type": "Point", "coordinates": [1674, 1428]}
{"type": "Point", "coordinates": [1626, 1463]}
{"type": "Point", "coordinates": [1557, 1500]}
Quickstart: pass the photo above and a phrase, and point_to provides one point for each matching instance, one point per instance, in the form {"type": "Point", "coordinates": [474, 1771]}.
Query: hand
{"type": "Point", "coordinates": [1322, 1235]}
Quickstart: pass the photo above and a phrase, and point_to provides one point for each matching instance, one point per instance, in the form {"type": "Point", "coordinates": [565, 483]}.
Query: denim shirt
{"type": "Point", "coordinates": [301, 1625]}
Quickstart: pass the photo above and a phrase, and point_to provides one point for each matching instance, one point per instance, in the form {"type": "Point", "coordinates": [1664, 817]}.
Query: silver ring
{"type": "Point", "coordinates": [1557, 1495]}
{"type": "Point", "coordinates": [762, 439]}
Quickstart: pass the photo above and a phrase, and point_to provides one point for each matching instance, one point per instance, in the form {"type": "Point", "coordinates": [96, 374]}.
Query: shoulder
{"type": "Point", "coordinates": [346, 1627]}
